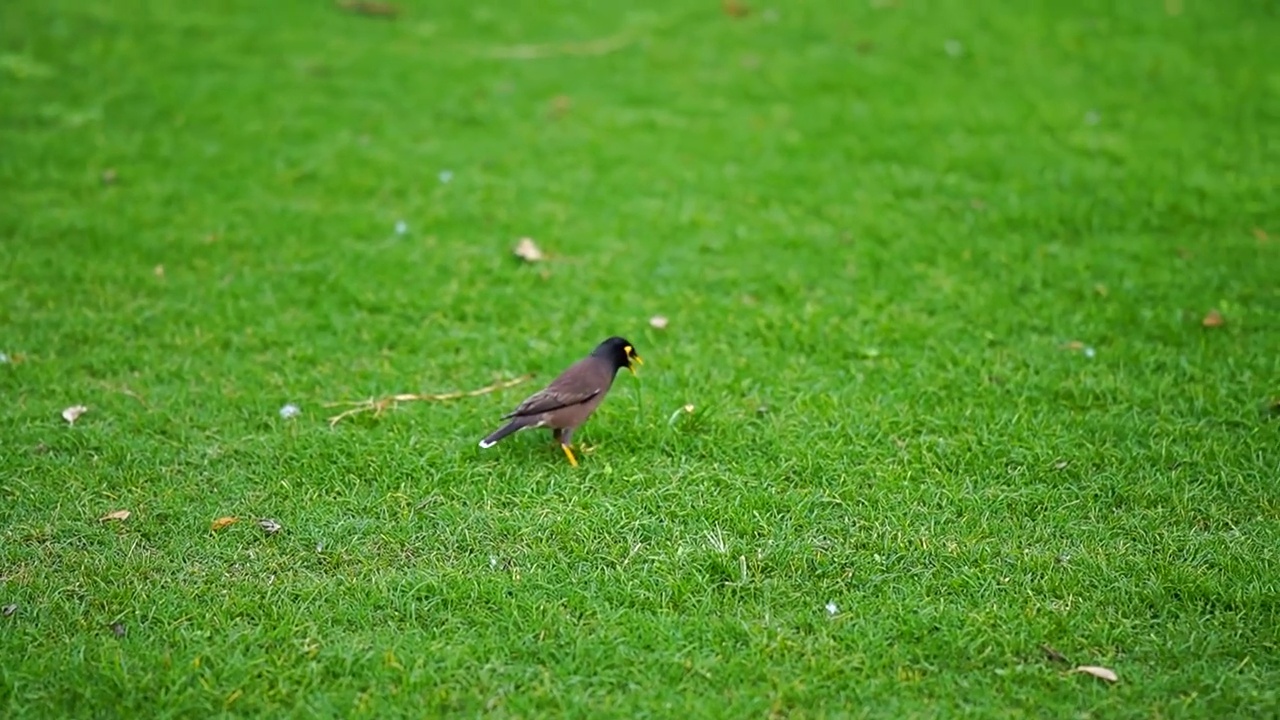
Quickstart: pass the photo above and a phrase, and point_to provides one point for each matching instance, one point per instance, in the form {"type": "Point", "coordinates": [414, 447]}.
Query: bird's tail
{"type": "Point", "coordinates": [505, 430]}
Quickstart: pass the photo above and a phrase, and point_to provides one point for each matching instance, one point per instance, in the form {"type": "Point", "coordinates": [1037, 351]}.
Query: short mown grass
{"type": "Point", "coordinates": [935, 274]}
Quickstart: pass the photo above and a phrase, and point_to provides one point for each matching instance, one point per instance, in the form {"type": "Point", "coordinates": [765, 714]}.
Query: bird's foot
{"type": "Point", "coordinates": [568, 452]}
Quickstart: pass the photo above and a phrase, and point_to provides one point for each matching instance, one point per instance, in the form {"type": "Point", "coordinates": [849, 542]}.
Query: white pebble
{"type": "Point", "coordinates": [401, 227]}
{"type": "Point", "coordinates": [446, 176]}
{"type": "Point", "coordinates": [832, 609]}
{"type": "Point", "coordinates": [290, 411]}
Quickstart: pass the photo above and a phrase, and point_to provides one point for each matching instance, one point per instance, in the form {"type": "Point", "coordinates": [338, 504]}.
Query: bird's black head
{"type": "Point", "coordinates": [620, 352]}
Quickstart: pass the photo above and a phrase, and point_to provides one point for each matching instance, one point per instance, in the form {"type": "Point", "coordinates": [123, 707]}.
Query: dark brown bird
{"type": "Point", "coordinates": [569, 400]}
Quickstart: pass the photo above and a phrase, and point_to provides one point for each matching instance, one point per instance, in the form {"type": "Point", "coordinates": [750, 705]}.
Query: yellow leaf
{"type": "Point", "coordinates": [116, 515]}
{"type": "Point", "coordinates": [223, 522]}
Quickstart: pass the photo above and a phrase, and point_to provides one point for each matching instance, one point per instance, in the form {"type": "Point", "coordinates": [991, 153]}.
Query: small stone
{"type": "Point", "coordinates": [446, 176]}
{"type": "Point", "coordinates": [401, 227]}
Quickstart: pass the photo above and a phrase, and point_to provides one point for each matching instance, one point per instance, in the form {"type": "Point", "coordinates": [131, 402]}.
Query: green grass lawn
{"type": "Point", "coordinates": [935, 274]}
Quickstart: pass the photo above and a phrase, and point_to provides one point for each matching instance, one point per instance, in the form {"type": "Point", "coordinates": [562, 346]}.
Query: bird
{"type": "Point", "coordinates": [566, 403]}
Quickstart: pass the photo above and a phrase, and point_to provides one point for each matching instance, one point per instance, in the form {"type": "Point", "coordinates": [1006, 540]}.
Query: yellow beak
{"type": "Point", "coordinates": [636, 359]}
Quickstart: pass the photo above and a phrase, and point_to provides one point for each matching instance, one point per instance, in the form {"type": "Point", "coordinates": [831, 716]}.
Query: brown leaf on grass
{"type": "Point", "coordinates": [223, 522]}
{"type": "Point", "coordinates": [1260, 235]}
{"type": "Point", "coordinates": [1099, 672]}
{"type": "Point", "coordinates": [560, 106]}
{"type": "Point", "coordinates": [1075, 345]}
{"type": "Point", "coordinates": [1051, 653]}
{"type": "Point", "coordinates": [73, 413]}
{"type": "Point", "coordinates": [115, 515]}
{"type": "Point", "coordinates": [1213, 319]}
{"type": "Point", "coordinates": [269, 526]}
{"type": "Point", "coordinates": [109, 176]}
{"type": "Point", "coordinates": [658, 322]}
{"type": "Point", "coordinates": [529, 251]}
{"type": "Point", "coordinates": [370, 8]}
{"type": "Point", "coordinates": [735, 8]}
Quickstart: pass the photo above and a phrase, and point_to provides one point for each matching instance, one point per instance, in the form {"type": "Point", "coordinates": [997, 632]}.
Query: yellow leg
{"type": "Point", "coordinates": [569, 454]}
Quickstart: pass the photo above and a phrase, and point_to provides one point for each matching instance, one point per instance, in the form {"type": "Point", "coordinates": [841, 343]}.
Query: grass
{"type": "Point", "coordinates": [875, 227]}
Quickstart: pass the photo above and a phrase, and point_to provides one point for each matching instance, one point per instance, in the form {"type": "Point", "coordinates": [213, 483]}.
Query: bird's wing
{"type": "Point", "coordinates": [552, 398]}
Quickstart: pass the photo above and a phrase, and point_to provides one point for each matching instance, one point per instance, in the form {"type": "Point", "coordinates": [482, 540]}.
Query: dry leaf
{"type": "Point", "coordinates": [159, 271]}
{"type": "Point", "coordinates": [115, 515]}
{"type": "Point", "coordinates": [370, 8]}
{"type": "Point", "coordinates": [1099, 672]}
{"type": "Point", "coordinates": [72, 413]}
{"type": "Point", "coordinates": [9, 609]}
{"type": "Point", "coordinates": [109, 176]}
{"type": "Point", "coordinates": [658, 322]}
{"type": "Point", "coordinates": [1073, 345]}
{"type": "Point", "coordinates": [269, 526]}
{"type": "Point", "coordinates": [1213, 319]}
{"type": "Point", "coordinates": [735, 8]}
{"type": "Point", "coordinates": [560, 106]}
{"type": "Point", "coordinates": [223, 522]}
{"type": "Point", "coordinates": [1260, 234]}
{"type": "Point", "coordinates": [528, 251]}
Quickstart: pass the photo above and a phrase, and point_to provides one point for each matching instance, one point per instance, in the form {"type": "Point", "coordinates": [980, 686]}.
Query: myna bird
{"type": "Point", "coordinates": [569, 400]}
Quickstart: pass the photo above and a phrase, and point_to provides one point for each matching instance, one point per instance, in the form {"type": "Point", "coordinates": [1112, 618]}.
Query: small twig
{"type": "Point", "coordinates": [123, 390]}
{"type": "Point", "coordinates": [600, 46]}
{"type": "Point", "coordinates": [379, 405]}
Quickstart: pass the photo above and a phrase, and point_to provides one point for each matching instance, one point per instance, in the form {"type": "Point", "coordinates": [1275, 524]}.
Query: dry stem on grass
{"type": "Point", "coordinates": [378, 405]}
